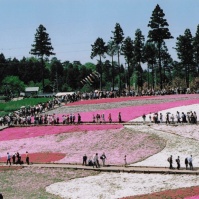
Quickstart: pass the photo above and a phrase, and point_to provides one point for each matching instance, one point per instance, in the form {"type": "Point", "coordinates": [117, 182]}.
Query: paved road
{"type": "Point", "coordinates": [128, 169]}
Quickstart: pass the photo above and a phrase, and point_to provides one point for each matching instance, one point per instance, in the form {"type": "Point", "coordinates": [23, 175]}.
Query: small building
{"type": "Point", "coordinates": [30, 91]}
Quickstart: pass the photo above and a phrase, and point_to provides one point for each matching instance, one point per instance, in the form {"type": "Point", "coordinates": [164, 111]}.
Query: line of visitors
{"type": "Point", "coordinates": [188, 162]}
{"type": "Point", "coordinates": [190, 117]}
{"type": "Point", "coordinates": [24, 114]}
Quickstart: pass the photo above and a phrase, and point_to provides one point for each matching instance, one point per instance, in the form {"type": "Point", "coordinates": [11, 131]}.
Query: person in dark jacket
{"type": "Point", "coordinates": [178, 162]}
{"type": "Point", "coordinates": [170, 160]}
{"type": "Point", "coordinates": [186, 163]}
{"type": "Point", "coordinates": [84, 160]}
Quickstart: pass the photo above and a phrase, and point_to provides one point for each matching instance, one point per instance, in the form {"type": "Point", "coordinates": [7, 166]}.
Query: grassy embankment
{"type": "Point", "coordinates": [9, 107]}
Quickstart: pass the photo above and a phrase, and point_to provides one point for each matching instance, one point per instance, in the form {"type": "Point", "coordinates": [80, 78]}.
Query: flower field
{"type": "Point", "coordinates": [144, 146]}
{"type": "Point", "coordinates": [40, 157]}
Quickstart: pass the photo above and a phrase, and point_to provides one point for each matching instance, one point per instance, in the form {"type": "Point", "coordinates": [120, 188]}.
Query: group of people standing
{"type": "Point", "coordinates": [16, 158]}
{"type": "Point", "coordinates": [101, 118]}
{"type": "Point", "coordinates": [190, 117]}
{"type": "Point", "coordinates": [94, 161]}
{"type": "Point", "coordinates": [188, 162]}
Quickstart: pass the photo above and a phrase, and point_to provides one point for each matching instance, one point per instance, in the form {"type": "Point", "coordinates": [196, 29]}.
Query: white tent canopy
{"type": "Point", "coordinates": [64, 93]}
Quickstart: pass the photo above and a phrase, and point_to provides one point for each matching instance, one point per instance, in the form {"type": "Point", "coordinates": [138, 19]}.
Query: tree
{"type": "Point", "coordinates": [150, 52]}
{"type": "Point", "coordinates": [159, 33]}
{"type": "Point", "coordinates": [196, 49]}
{"type": "Point", "coordinates": [72, 76]}
{"type": "Point", "coordinates": [118, 37]}
{"type": "Point", "coordinates": [2, 66]}
{"type": "Point", "coordinates": [184, 48]}
{"type": "Point", "coordinates": [56, 74]}
{"type": "Point", "coordinates": [138, 52]}
{"type": "Point", "coordinates": [127, 50]}
{"type": "Point", "coordinates": [99, 49]}
{"type": "Point", "coordinates": [167, 63]}
{"type": "Point", "coordinates": [42, 47]}
{"type": "Point", "coordinates": [13, 85]}
{"type": "Point", "coordinates": [112, 49]}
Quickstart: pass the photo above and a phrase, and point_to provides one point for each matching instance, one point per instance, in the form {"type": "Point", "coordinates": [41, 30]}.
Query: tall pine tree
{"type": "Point", "coordinates": [158, 33]}
{"type": "Point", "coordinates": [118, 37]}
{"type": "Point", "coordinates": [99, 48]}
{"type": "Point", "coordinates": [42, 47]}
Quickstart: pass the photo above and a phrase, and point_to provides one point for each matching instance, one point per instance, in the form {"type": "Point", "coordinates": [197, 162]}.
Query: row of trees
{"type": "Point", "coordinates": [162, 71]}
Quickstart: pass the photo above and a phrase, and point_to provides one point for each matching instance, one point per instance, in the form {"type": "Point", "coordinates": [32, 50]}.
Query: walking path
{"type": "Point", "coordinates": [112, 168]}
{"type": "Point", "coordinates": [3, 127]}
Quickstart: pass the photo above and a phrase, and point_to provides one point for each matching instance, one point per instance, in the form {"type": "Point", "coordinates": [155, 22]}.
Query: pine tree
{"type": "Point", "coordinates": [127, 50]}
{"type": "Point", "coordinates": [184, 47]}
{"type": "Point", "coordinates": [118, 37]}
{"type": "Point", "coordinates": [42, 47]}
{"type": "Point", "coordinates": [99, 49]}
{"type": "Point", "coordinates": [112, 49]}
{"type": "Point", "coordinates": [138, 52]}
{"type": "Point", "coordinates": [158, 33]}
{"type": "Point", "coordinates": [196, 49]}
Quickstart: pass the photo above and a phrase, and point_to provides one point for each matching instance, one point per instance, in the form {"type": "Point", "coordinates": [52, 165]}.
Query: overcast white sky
{"type": "Point", "coordinates": [73, 25]}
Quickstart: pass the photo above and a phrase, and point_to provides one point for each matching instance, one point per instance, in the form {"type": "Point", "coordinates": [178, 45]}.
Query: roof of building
{"type": "Point", "coordinates": [31, 89]}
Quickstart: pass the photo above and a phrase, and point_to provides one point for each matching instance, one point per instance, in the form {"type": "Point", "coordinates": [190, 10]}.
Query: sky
{"type": "Point", "coordinates": [73, 25]}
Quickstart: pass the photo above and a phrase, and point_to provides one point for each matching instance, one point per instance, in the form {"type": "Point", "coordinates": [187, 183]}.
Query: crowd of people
{"type": "Point", "coordinates": [69, 98]}
{"type": "Point", "coordinates": [25, 114]}
{"type": "Point", "coordinates": [170, 118]}
{"type": "Point", "coordinates": [188, 162]}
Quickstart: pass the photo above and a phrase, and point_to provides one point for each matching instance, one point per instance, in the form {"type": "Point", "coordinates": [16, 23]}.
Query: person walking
{"type": "Point", "coordinates": [84, 160]}
{"type": "Point", "coordinates": [125, 162]}
{"type": "Point", "coordinates": [191, 162]}
{"type": "Point", "coordinates": [8, 159]}
{"type": "Point", "coordinates": [109, 118]}
{"type": "Point", "coordinates": [178, 162]}
{"type": "Point", "coordinates": [96, 161]}
{"type": "Point", "coordinates": [170, 160]}
{"type": "Point", "coordinates": [167, 118]}
{"type": "Point", "coordinates": [13, 158]}
{"type": "Point", "coordinates": [144, 118]}
{"type": "Point", "coordinates": [103, 157]}
{"type": "Point", "coordinates": [27, 158]}
{"type": "Point", "coordinates": [161, 118]}
{"type": "Point", "coordinates": [186, 162]}
{"type": "Point", "coordinates": [178, 117]}
{"type": "Point", "coordinates": [119, 117]}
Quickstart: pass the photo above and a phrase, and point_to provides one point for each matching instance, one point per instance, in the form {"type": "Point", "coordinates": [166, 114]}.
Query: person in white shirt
{"type": "Point", "coordinates": [191, 162]}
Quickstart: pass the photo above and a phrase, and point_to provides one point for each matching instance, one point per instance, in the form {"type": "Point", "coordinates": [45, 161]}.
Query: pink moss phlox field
{"type": "Point", "coordinates": [120, 99]}
{"type": "Point", "coordinates": [128, 113]}
{"type": "Point", "coordinates": [108, 100]}
{"type": "Point", "coordinates": [132, 112]}
{"type": "Point", "coordinates": [35, 131]}
{"type": "Point", "coordinates": [39, 157]}
{"type": "Point", "coordinates": [115, 143]}
{"type": "Point", "coordinates": [192, 197]}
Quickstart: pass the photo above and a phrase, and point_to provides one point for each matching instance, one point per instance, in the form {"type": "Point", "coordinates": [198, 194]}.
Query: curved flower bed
{"type": "Point", "coordinates": [76, 140]}
{"type": "Point", "coordinates": [40, 157]}
{"type": "Point", "coordinates": [118, 185]}
{"type": "Point", "coordinates": [115, 143]}
{"type": "Point", "coordinates": [122, 99]}
{"type": "Point", "coordinates": [193, 197]}
{"type": "Point", "coordinates": [129, 112]}
{"type": "Point", "coordinates": [186, 193]}
{"type": "Point", "coordinates": [36, 131]}
{"type": "Point", "coordinates": [108, 100]}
